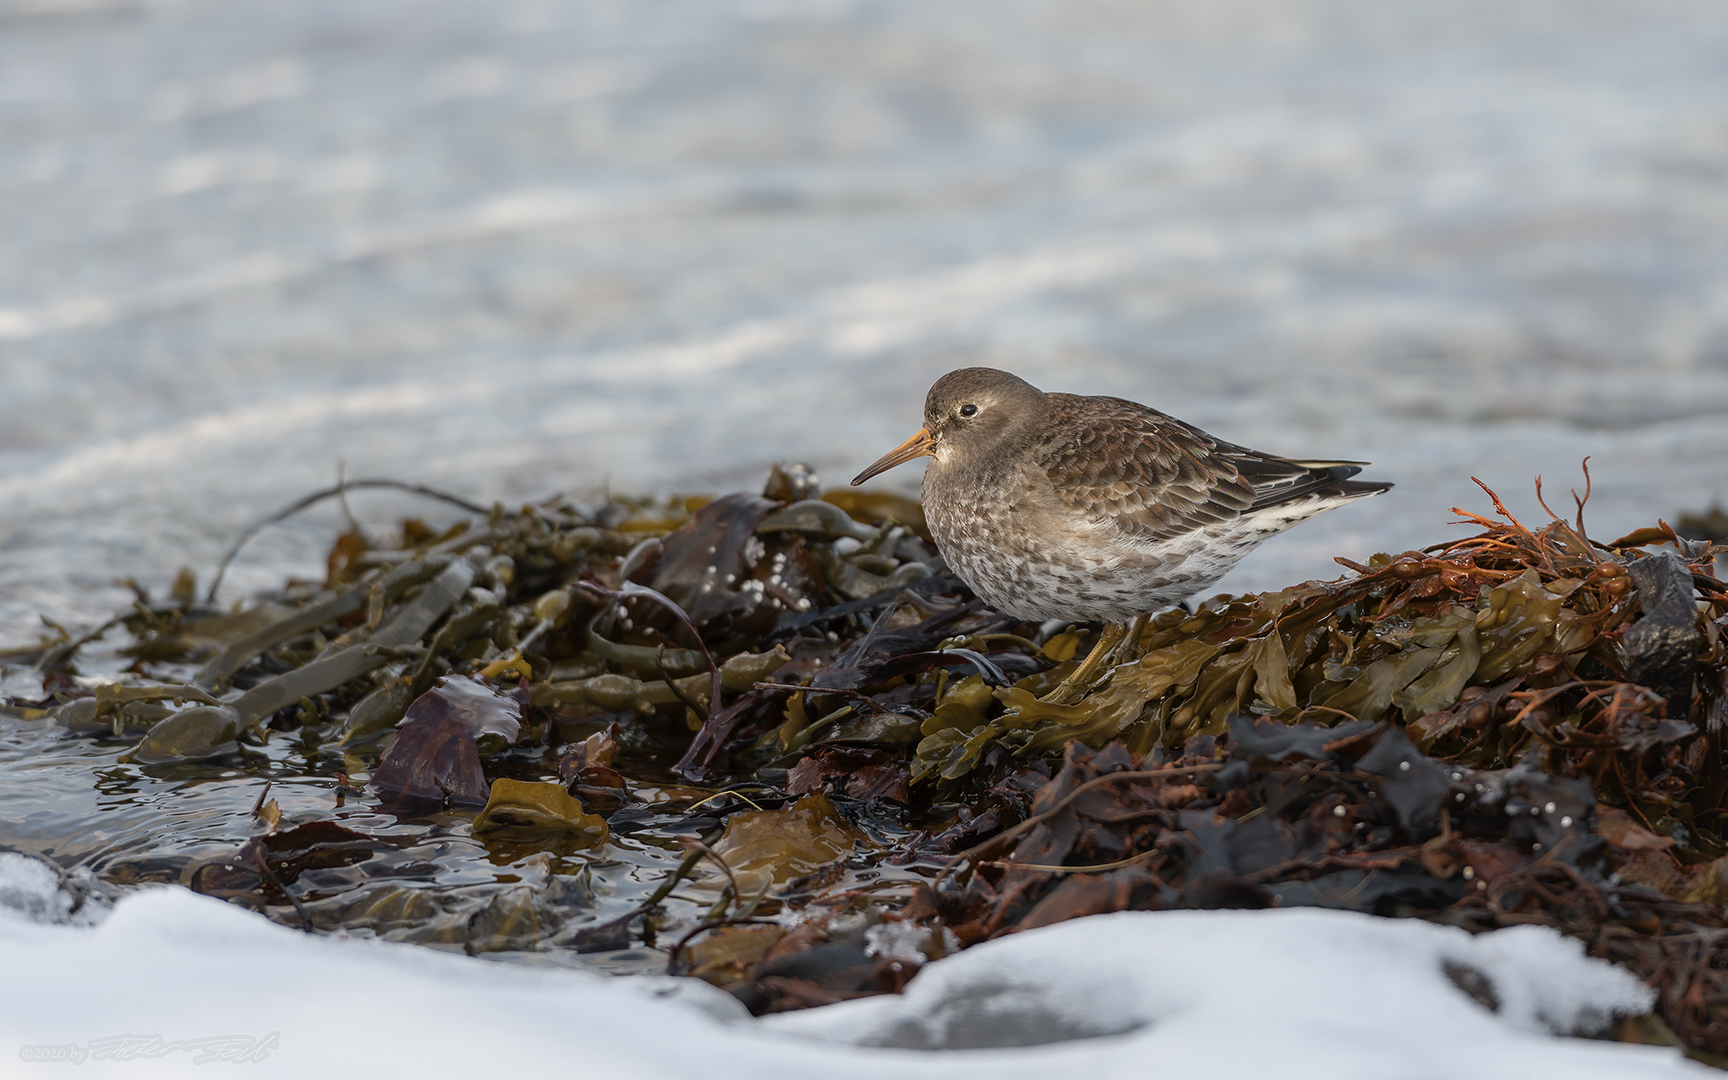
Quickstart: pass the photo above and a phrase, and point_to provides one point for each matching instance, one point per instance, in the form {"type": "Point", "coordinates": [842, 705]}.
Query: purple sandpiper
{"type": "Point", "coordinates": [1059, 506]}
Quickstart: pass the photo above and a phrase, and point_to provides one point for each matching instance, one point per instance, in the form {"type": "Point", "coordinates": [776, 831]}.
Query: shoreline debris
{"type": "Point", "coordinates": [853, 759]}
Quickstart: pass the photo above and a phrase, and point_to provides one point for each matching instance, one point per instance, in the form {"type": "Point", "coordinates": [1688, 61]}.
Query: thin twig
{"type": "Point", "coordinates": [823, 691]}
{"type": "Point", "coordinates": [736, 794]}
{"type": "Point", "coordinates": [678, 873]}
{"type": "Point", "coordinates": [54, 655]}
{"type": "Point", "coordinates": [270, 876]}
{"type": "Point", "coordinates": [630, 589]}
{"type": "Point", "coordinates": [342, 494]}
{"type": "Point", "coordinates": [1010, 864]}
{"type": "Point", "coordinates": [666, 677]}
{"type": "Point", "coordinates": [1500, 508]}
{"type": "Point", "coordinates": [318, 496]}
{"type": "Point", "coordinates": [704, 926]}
{"type": "Point", "coordinates": [1064, 802]}
{"type": "Point", "coordinates": [714, 857]}
{"type": "Point", "coordinates": [1540, 501]}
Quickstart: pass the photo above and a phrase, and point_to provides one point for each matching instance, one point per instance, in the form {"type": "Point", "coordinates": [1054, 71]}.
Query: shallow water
{"type": "Point", "coordinates": [511, 249]}
{"type": "Point", "coordinates": [429, 878]}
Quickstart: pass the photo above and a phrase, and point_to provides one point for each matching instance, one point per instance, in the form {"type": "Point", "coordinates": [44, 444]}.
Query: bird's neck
{"type": "Point", "coordinates": [983, 471]}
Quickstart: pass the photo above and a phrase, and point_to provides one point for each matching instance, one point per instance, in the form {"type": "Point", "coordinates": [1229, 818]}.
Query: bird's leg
{"type": "Point", "coordinates": [1128, 649]}
{"type": "Point", "coordinates": [1074, 687]}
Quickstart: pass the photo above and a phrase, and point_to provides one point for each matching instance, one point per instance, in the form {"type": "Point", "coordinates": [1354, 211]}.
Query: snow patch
{"type": "Point", "coordinates": [1299, 992]}
{"type": "Point", "coordinates": [1296, 994]}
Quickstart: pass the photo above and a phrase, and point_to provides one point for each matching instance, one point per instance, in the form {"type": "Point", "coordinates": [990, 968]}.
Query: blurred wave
{"type": "Point", "coordinates": [518, 248]}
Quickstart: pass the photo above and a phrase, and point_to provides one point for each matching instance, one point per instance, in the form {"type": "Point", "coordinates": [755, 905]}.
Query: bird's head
{"type": "Point", "coordinates": [969, 411]}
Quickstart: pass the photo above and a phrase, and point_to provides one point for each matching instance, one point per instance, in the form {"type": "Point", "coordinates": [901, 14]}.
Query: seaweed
{"type": "Point", "coordinates": [435, 754]}
{"type": "Point", "coordinates": [790, 695]}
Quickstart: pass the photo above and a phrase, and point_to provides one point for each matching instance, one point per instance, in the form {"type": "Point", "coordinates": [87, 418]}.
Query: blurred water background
{"type": "Point", "coordinates": [521, 247]}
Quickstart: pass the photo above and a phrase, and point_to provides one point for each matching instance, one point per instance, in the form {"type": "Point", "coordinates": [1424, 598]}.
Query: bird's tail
{"type": "Point", "coordinates": [1332, 480]}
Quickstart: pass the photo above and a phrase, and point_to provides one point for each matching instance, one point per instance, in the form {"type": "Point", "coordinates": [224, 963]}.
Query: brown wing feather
{"type": "Point", "coordinates": [1158, 477]}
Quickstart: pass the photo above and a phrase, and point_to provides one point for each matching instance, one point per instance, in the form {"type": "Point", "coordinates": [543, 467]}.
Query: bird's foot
{"type": "Point", "coordinates": [1081, 680]}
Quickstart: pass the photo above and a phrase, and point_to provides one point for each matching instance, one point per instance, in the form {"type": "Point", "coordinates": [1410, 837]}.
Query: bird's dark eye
{"type": "Point", "coordinates": [968, 410]}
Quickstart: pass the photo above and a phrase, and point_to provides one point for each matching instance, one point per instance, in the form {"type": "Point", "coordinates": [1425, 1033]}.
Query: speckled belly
{"type": "Point", "coordinates": [1078, 574]}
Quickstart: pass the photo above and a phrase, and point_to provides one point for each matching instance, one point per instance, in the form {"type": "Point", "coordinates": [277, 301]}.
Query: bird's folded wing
{"type": "Point", "coordinates": [1154, 477]}
{"type": "Point", "coordinates": [1149, 474]}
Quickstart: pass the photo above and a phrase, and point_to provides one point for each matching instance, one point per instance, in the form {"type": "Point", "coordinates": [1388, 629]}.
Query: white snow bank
{"type": "Point", "coordinates": [1287, 993]}
{"type": "Point", "coordinates": [1312, 992]}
